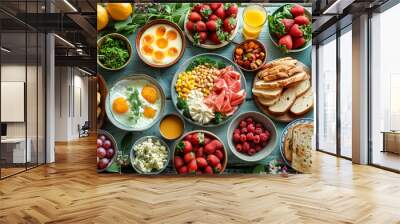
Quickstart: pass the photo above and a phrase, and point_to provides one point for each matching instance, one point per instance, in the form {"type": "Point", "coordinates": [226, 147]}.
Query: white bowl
{"type": "Point", "coordinates": [267, 123]}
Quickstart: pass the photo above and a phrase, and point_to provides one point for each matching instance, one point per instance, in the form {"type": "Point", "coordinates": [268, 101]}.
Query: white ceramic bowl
{"type": "Point", "coordinates": [267, 123]}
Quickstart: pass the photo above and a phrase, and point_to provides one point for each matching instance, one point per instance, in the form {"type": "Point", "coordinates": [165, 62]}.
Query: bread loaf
{"type": "Point", "coordinates": [301, 147]}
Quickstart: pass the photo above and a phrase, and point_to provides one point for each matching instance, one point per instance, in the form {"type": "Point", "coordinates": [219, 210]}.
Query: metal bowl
{"type": "Point", "coordinates": [114, 146]}
{"type": "Point", "coordinates": [267, 123]}
{"type": "Point", "coordinates": [151, 80]}
{"type": "Point", "coordinates": [132, 155]}
{"type": "Point", "coordinates": [116, 36]}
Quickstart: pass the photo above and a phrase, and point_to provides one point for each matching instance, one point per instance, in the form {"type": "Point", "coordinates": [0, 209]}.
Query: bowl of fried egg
{"type": "Point", "coordinates": [135, 102]}
{"type": "Point", "coordinates": [160, 43]}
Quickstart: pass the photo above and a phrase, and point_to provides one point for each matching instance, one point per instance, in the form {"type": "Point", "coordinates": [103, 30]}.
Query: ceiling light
{"type": "Point", "coordinates": [70, 5]}
{"type": "Point", "coordinates": [65, 41]}
{"type": "Point", "coordinates": [84, 71]}
{"type": "Point", "coordinates": [5, 50]}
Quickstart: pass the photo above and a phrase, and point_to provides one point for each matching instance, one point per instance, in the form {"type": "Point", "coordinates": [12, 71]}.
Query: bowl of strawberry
{"type": "Point", "coordinates": [252, 136]}
{"type": "Point", "coordinates": [290, 28]}
{"type": "Point", "coordinates": [199, 152]}
{"type": "Point", "coordinates": [213, 25]}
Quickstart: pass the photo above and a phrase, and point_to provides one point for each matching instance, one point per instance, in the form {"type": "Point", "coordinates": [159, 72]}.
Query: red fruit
{"type": "Point", "coordinates": [212, 25]}
{"type": "Point", "coordinates": [246, 147]}
{"type": "Point", "coordinates": [286, 42]}
{"type": "Point", "coordinates": [258, 125]}
{"type": "Point", "coordinates": [101, 152]}
{"type": "Point", "coordinates": [250, 136]}
{"type": "Point", "coordinates": [188, 138]}
{"type": "Point", "coordinates": [110, 153]}
{"type": "Point", "coordinates": [200, 26]}
{"type": "Point", "coordinates": [192, 166]}
{"type": "Point", "coordinates": [243, 124]}
{"type": "Point", "coordinates": [99, 142]}
{"type": "Point", "coordinates": [213, 17]}
{"type": "Point", "coordinates": [200, 152]}
{"type": "Point", "coordinates": [232, 10]}
{"type": "Point", "coordinates": [229, 24]}
{"type": "Point", "coordinates": [237, 130]}
{"type": "Point", "coordinates": [214, 38]}
{"type": "Point", "coordinates": [288, 23]}
{"type": "Point", "coordinates": [201, 162]}
{"type": "Point", "coordinates": [212, 146]}
{"type": "Point", "coordinates": [188, 157]}
{"type": "Point", "coordinates": [208, 170]}
{"type": "Point", "coordinates": [183, 170]}
{"type": "Point", "coordinates": [249, 120]}
{"type": "Point", "coordinates": [214, 6]}
{"type": "Point", "coordinates": [251, 128]}
{"type": "Point", "coordinates": [205, 11]}
{"type": "Point", "coordinates": [256, 139]}
{"type": "Point", "coordinates": [197, 7]}
{"type": "Point", "coordinates": [263, 137]}
{"type": "Point", "coordinates": [243, 137]}
{"type": "Point", "coordinates": [217, 168]}
{"type": "Point", "coordinates": [236, 137]}
{"type": "Point", "coordinates": [102, 137]}
{"type": "Point", "coordinates": [187, 147]}
{"type": "Point", "coordinates": [258, 148]}
{"type": "Point", "coordinates": [219, 154]}
{"type": "Point", "coordinates": [103, 163]}
{"type": "Point", "coordinates": [251, 152]}
{"type": "Point", "coordinates": [298, 42]}
{"type": "Point", "coordinates": [107, 144]}
{"type": "Point", "coordinates": [190, 26]}
{"type": "Point", "coordinates": [295, 31]}
{"type": "Point", "coordinates": [213, 160]}
{"type": "Point", "coordinates": [297, 10]}
{"type": "Point", "coordinates": [194, 17]}
{"type": "Point", "coordinates": [220, 12]}
{"type": "Point", "coordinates": [239, 147]}
{"type": "Point", "coordinates": [244, 130]}
{"type": "Point", "coordinates": [200, 37]}
{"type": "Point", "coordinates": [301, 20]}
{"type": "Point", "coordinates": [258, 131]}
{"type": "Point", "coordinates": [178, 161]}
{"type": "Point", "coordinates": [197, 138]}
{"type": "Point", "coordinates": [207, 140]}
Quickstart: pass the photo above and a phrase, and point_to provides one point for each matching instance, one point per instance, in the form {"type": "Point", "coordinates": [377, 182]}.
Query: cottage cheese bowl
{"type": "Point", "coordinates": [149, 155]}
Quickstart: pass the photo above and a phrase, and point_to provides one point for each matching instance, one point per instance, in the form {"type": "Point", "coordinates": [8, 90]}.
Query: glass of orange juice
{"type": "Point", "coordinates": [254, 18]}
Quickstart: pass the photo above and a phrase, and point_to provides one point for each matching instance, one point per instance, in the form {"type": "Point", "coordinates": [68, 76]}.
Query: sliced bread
{"type": "Point", "coordinates": [288, 145]}
{"type": "Point", "coordinates": [302, 87]}
{"type": "Point", "coordinates": [266, 101]}
{"type": "Point", "coordinates": [281, 82]}
{"type": "Point", "coordinates": [301, 147]}
{"type": "Point", "coordinates": [267, 93]}
{"type": "Point", "coordinates": [284, 103]}
{"type": "Point", "coordinates": [303, 104]}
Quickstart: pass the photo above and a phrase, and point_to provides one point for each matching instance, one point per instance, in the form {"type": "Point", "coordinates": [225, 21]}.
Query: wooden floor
{"type": "Point", "coordinates": [70, 191]}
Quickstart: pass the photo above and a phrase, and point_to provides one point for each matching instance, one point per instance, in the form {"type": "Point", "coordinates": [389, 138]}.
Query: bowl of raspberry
{"type": "Point", "coordinates": [252, 136]}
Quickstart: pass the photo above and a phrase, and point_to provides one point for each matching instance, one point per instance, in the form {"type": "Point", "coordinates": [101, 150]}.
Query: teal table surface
{"type": "Point", "coordinates": [165, 75]}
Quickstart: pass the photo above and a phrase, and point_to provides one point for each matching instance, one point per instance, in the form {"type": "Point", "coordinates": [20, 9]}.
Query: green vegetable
{"type": "Point", "coordinates": [113, 53]}
{"type": "Point", "coordinates": [307, 32]}
{"type": "Point", "coordinates": [180, 146]}
{"type": "Point", "coordinates": [145, 12]}
{"type": "Point", "coordinates": [182, 105]}
{"type": "Point", "coordinates": [135, 104]}
{"type": "Point", "coordinates": [127, 142]}
{"type": "Point", "coordinates": [259, 169]}
{"type": "Point", "coordinates": [204, 60]}
{"type": "Point", "coordinates": [218, 118]}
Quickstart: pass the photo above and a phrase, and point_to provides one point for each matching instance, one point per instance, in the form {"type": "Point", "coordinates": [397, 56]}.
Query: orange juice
{"type": "Point", "coordinates": [254, 18]}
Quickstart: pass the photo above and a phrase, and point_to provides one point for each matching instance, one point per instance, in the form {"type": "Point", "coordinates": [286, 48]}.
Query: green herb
{"type": "Point", "coordinates": [182, 105]}
{"type": "Point", "coordinates": [135, 104]}
{"type": "Point", "coordinates": [127, 142]}
{"type": "Point", "coordinates": [307, 32]}
{"type": "Point", "coordinates": [204, 60]}
{"type": "Point", "coordinates": [113, 53]}
{"type": "Point", "coordinates": [180, 146]}
{"type": "Point", "coordinates": [218, 118]}
{"type": "Point", "coordinates": [259, 169]}
{"type": "Point", "coordinates": [145, 12]}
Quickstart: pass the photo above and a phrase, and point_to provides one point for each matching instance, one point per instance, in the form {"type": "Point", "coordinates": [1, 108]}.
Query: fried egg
{"type": "Point", "coordinates": [160, 44]}
{"type": "Point", "coordinates": [123, 110]}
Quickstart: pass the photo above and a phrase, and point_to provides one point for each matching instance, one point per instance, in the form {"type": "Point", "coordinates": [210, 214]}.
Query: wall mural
{"type": "Point", "coordinates": [187, 88]}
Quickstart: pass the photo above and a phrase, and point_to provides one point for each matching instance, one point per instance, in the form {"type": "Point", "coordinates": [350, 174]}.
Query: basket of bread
{"type": "Point", "coordinates": [282, 89]}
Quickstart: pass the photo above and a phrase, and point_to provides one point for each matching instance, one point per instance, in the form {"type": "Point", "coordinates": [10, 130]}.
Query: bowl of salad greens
{"type": "Point", "coordinates": [113, 51]}
{"type": "Point", "coordinates": [290, 28]}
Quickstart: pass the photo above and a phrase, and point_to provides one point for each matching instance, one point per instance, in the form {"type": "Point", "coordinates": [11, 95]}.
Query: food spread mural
{"type": "Point", "coordinates": [203, 89]}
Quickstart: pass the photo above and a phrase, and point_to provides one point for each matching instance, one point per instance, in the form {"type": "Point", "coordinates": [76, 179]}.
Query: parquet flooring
{"type": "Point", "coordinates": [70, 191]}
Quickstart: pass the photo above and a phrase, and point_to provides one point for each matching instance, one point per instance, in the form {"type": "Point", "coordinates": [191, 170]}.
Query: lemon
{"type": "Point", "coordinates": [119, 11]}
{"type": "Point", "coordinates": [102, 17]}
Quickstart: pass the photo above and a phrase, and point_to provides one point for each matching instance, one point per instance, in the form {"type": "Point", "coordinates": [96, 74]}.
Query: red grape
{"type": "Point", "coordinates": [99, 142]}
{"type": "Point", "coordinates": [101, 152]}
{"type": "Point", "coordinates": [110, 153]}
{"type": "Point", "coordinates": [107, 144]}
{"type": "Point", "coordinates": [103, 163]}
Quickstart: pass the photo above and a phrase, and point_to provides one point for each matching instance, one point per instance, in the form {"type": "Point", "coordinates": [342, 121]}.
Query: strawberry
{"type": "Point", "coordinates": [214, 38]}
{"type": "Point", "coordinates": [213, 17]}
{"type": "Point", "coordinates": [190, 26]}
{"type": "Point", "coordinates": [219, 154]}
{"type": "Point", "coordinates": [187, 146]}
{"type": "Point", "coordinates": [212, 25]}
{"type": "Point", "coordinates": [197, 138]}
{"type": "Point", "coordinates": [295, 31]}
{"type": "Point", "coordinates": [187, 138]}
{"type": "Point", "coordinates": [205, 11]}
{"type": "Point", "coordinates": [288, 23]}
{"type": "Point", "coordinates": [298, 43]}
{"type": "Point", "coordinates": [220, 12]}
{"type": "Point", "coordinates": [201, 162]}
{"type": "Point", "coordinates": [207, 140]}
{"type": "Point", "coordinates": [200, 26]}
{"type": "Point", "coordinates": [192, 166]}
{"type": "Point", "coordinates": [297, 10]}
{"type": "Point", "coordinates": [200, 37]}
{"type": "Point", "coordinates": [217, 168]}
{"type": "Point", "coordinates": [200, 152]}
{"type": "Point", "coordinates": [229, 24]}
{"type": "Point", "coordinates": [197, 7]}
{"type": "Point", "coordinates": [232, 10]}
{"type": "Point", "coordinates": [194, 17]}
{"type": "Point", "coordinates": [183, 170]}
{"type": "Point", "coordinates": [188, 157]}
{"type": "Point", "coordinates": [285, 42]}
{"type": "Point", "coordinates": [214, 6]}
{"type": "Point", "coordinates": [208, 170]}
{"type": "Point", "coordinates": [213, 160]}
{"type": "Point", "coordinates": [178, 162]}
{"type": "Point", "coordinates": [301, 20]}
